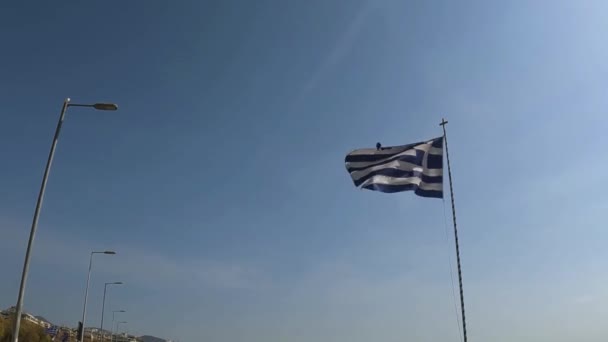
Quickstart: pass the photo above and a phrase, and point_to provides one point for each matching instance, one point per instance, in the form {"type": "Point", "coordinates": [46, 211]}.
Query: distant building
{"type": "Point", "coordinates": [26, 316]}
{"type": "Point", "coordinates": [9, 311]}
{"type": "Point", "coordinates": [125, 338]}
{"type": "Point", "coordinates": [35, 320]}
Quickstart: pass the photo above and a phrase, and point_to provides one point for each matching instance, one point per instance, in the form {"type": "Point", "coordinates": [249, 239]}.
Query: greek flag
{"type": "Point", "coordinates": [52, 330]}
{"type": "Point", "coordinates": [417, 167]}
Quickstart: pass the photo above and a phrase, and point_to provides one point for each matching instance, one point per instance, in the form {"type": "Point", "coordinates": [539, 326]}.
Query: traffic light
{"type": "Point", "coordinates": [80, 331]}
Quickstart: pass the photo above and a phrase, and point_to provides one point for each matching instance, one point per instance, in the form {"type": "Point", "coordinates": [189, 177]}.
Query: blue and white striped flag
{"type": "Point", "coordinates": [52, 330]}
{"type": "Point", "coordinates": [417, 167]}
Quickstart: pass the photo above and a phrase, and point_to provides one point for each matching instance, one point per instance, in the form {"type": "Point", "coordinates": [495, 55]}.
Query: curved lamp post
{"type": "Point", "coordinates": [30, 243]}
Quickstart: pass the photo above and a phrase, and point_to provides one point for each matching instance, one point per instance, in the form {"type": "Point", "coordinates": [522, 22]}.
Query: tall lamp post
{"type": "Point", "coordinates": [30, 243]}
{"type": "Point", "coordinates": [103, 305]}
{"type": "Point", "coordinates": [112, 326]}
{"type": "Point", "coordinates": [118, 325]}
{"type": "Point", "coordinates": [86, 291]}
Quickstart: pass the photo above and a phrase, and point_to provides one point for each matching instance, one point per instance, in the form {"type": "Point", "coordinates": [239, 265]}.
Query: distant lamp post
{"type": "Point", "coordinates": [30, 243]}
{"type": "Point", "coordinates": [103, 305]}
{"type": "Point", "coordinates": [112, 325]}
{"type": "Point", "coordinates": [118, 325]}
{"type": "Point", "coordinates": [86, 291]}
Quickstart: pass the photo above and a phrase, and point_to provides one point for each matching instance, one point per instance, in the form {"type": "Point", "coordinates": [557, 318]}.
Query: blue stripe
{"type": "Point", "coordinates": [416, 160]}
{"type": "Point", "coordinates": [373, 156]}
{"type": "Point", "coordinates": [395, 173]}
{"type": "Point", "coordinates": [405, 187]}
{"type": "Point", "coordinates": [438, 142]}
{"type": "Point", "coordinates": [434, 162]}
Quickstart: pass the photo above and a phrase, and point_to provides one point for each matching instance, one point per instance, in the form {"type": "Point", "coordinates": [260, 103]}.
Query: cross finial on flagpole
{"type": "Point", "coordinates": [443, 122]}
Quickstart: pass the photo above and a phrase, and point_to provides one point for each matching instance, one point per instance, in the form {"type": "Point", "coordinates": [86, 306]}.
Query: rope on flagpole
{"type": "Point", "coordinates": [447, 243]}
{"type": "Point", "coordinates": [447, 154]}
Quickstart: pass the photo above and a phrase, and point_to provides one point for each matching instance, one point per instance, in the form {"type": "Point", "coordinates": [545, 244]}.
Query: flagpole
{"type": "Point", "coordinates": [447, 154]}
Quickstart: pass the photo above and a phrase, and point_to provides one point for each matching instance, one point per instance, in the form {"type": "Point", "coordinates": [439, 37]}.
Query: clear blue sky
{"type": "Point", "coordinates": [221, 184]}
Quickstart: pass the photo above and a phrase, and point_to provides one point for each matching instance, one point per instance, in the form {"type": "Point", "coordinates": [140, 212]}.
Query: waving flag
{"type": "Point", "coordinates": [52, 330]}
{"type": "Point", "coordinates": [417, 167]}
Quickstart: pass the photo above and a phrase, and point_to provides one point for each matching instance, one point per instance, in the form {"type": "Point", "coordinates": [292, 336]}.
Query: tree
{"type": "Point", "coordinates": [29, 332]}
{"type": "Point", "coordinates": [30, 335]}
{"type": "Point", "coordinates": [2, 329]}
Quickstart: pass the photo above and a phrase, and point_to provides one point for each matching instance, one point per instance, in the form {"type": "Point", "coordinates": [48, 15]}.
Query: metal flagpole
{"type": "Point", "coordinates": [447, 154]}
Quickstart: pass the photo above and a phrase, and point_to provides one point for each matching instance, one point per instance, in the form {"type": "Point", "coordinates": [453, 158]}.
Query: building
{"type": "Point", "coordinates": [27, 317]}
{"type": "Point", "coordinates": [36, 320]}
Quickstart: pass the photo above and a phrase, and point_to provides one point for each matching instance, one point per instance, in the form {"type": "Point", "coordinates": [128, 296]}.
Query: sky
{"type": "Point", "coordinates": [221, 185]}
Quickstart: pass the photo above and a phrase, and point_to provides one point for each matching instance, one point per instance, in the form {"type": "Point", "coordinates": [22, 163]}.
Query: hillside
{"type": "Point", "coordinates": [28, 331]}
{"type": "Point", "coordinates": [147, 338]}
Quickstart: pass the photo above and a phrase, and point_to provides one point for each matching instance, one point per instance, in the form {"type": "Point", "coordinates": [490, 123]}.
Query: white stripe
{"type": "Point", "coordinates": [399, 165]}
{"type": "Point", "coordinates": [403, 181]}
{"type": "Point", "coordinates": [428, 148]}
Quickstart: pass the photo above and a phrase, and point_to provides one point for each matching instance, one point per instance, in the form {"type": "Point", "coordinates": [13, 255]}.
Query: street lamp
{"type": "Point", "coordinates": [112, 325]}
{"type": "Point", "coordinates": [86, 291]}
{"type": "Point", "coordinates": [103, 305]}
{"type": "Point", "coordinates": [98, 106]}
{"type": "Point", "coordinates": [30, 243]}
{"type": "Point", "coordinates": [118, 325]}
